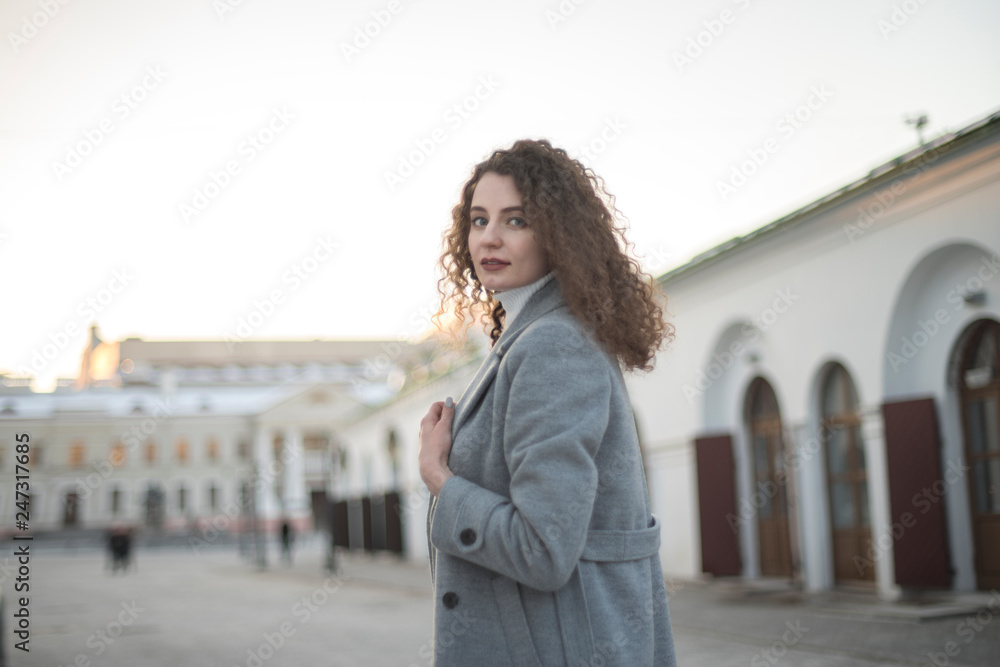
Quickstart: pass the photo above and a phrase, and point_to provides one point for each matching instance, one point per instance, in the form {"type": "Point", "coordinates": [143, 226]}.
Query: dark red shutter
{"type": "Point", "coordinates": [916, 494]}
{"type": "Point", "coordinates": [393, 523]}
{"type": "Point", "coordinates": [720, 551]}
{"type": "Point", "coordinates": [340, 524]}
{"type": "Point", "coordinates": [366, 521]}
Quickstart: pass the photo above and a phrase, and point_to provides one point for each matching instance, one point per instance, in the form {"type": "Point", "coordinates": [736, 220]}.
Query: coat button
{"type": "Point", "coordinates": [450, 600]}
{"type": "Point", "coordinates": [468, 536]}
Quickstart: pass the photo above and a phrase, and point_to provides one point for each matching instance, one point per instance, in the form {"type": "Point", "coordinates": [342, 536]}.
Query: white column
{"type": "Point", "coordinates": [748, 534]}
{"type": "Point", "coordinates": [813, 518]}
{"type": "Point", "coordinates": [265, 499]}
{"type": "Point", "coordinates": [295, 502]}
{"type": "Point", "coordinates": [873, 435]}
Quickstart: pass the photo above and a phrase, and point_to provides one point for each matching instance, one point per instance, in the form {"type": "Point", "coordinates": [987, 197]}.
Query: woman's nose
{"type": "Point", "coordinates": [490, 235]}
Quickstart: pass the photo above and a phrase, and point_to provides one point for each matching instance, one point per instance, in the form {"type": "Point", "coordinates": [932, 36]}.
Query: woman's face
{"type": "Point", "coordinates": [501, 241]}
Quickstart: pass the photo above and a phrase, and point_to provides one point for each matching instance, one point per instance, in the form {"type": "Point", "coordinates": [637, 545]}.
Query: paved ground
{"type": "Point", "coordinates": [179, 608]}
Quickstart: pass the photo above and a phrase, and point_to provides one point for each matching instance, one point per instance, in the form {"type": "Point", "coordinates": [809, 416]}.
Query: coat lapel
{"type": "Point", "coordinates": [546, 299]}
{"type": "Point", "coordinates": [482, 380]}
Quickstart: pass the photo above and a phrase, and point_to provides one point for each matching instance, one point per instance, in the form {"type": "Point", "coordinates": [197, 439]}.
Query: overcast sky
{"type": "Point", "coordinates": [265, 169]}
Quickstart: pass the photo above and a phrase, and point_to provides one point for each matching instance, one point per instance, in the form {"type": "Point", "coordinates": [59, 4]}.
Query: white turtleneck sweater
{"type": "Point", "coordinates": [513, 300]}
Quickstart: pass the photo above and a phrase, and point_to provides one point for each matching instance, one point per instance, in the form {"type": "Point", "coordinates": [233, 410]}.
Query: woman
{"type": "Point", "coordinates": [543, 548]}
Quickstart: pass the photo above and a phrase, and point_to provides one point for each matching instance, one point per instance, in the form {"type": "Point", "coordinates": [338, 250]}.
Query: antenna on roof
{"type": "Point", "coordinates": [918, 123]}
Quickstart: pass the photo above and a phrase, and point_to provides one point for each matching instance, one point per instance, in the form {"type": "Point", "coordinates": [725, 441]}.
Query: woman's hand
{"type": "Point", "coordinates": [435, 444]}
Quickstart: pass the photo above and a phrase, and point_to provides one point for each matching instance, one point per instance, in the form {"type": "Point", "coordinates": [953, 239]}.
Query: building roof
{"type": "Point", "coordinates": [137, 402]}
{"type": "Point", "coordinates": [261, 352]}
{"type": "Point", "coordinates": [935, 148]}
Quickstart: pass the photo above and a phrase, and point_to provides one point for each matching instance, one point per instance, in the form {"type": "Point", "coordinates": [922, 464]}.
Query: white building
{"type": "Point", "coordinates": [169, 435]}
{"type": "Point", "coordinates": [829, 409]}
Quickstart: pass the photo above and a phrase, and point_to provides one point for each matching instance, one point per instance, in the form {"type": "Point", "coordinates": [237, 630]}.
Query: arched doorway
{"type": "Point", "coordinates": [770, 477]}
{"type": "Point", "coordinates": [979, 382]}
{"type": "Point", "coordinates": [71, 509]}
{"type": "Point", "coordinates": [155, 506]}
{"type": "Point", "coordinates": [847, 479]}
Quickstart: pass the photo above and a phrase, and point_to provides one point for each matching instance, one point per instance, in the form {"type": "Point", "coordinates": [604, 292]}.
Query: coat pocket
{"type": "Point", "coordinates": [574, 621]}
{"type": "Point", "coordinates": [515, 625]}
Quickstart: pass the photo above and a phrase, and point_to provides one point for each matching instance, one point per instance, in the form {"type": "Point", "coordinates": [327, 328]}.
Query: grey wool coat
{"type": "Point", "coordinates": [543, 549]}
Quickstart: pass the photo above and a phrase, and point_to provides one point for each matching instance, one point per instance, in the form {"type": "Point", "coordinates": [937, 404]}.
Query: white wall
{"type": "Point", "coordinates": [366, 439]}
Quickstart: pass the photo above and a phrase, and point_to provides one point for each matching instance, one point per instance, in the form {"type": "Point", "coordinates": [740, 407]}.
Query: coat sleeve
{"type": "Point", "coordinates": [556, 415]}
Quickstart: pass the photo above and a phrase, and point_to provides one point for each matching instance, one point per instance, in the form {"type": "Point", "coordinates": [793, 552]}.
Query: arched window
{"type": "Point", "coordinates": [71, 509]}
{"type": "Point", "coordinates": [213, 450]}
{"type": "Point", "coordinates": [980, 392]}
{"type": "Point", "coordinates": [213, 497]}
{"type": "Point", "coordinates": [155, 505]}
{"type": "Point", "coordinates": [243, 449]}
{"type": "Point", "coordinates": [77, 453]}
{"type": "Point", "coordinates": [116, 502]}
{"type": "Point", "coordinates": [35, 457]}
{"type": "Point", "coordinates": [770, 480]}
{"type": "Point", "coordinates": [118, 454]}
{"type": "Point", "coordinates": [182, 449]}
{"type": "Point", "coordinates": [847, 478]}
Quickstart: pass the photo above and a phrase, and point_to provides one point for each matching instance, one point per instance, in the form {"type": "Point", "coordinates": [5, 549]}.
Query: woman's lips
{"type": "Point", "coordinates": [493, 264]}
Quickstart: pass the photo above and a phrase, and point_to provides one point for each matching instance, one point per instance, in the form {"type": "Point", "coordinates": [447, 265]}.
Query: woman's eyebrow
{"type": "Point", "coordinates": [503, 210]}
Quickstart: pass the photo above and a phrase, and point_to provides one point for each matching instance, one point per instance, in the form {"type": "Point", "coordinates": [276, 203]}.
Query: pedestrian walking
{"type": "Point", "coordinates": [286, 541]}
{"type": "Point", "coordinates": [120, 548]}
{"type": "Point", "coordinates": [543, 548]}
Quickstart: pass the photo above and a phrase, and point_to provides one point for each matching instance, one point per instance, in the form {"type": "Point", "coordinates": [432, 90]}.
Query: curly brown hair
{"type": "Point", "coordinates": [575, 222]}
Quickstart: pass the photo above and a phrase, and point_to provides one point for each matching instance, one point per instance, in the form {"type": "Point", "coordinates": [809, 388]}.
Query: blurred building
{"type": "Point", "coordinates": [183, 435]}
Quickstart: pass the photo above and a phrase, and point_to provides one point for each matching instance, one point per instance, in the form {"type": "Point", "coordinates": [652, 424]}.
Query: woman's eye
{"type": "Point", "coordinates": [518, 222]}
{"type": "Point", "coordinates": [479, 222]}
